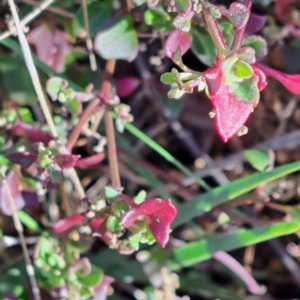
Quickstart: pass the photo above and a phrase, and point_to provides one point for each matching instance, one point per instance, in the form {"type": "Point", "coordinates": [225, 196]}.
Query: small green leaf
{"type": "Point", "coordinates": [140, 197]}
{"type": "Point", "coordinates": [111, 193]}
{"type": "Point", "coordinates": [113, 224]}
{"type": "Point", "coordinates": [72, 106]}
{"type": "Point", "coordinates": [246, 91]}
{"type": "Point", "coordinates": [260, 160]}
{"type": "Point", "coordinates": [242, 70]}
{"type": "Point", "coordinates": [175, 93]}
{"type": "Point", "coordinates": [54, 85]}
{"type": "Point", "coordinates": [118, 41]}
{"type": "Point", "coordinates": [28, 221]}
{"type": "Point", "coordinates": [168, 78]}
{"type": "Point", "coordinates": [258, 43]}
{"type": "Point", "coordinates": [158, 18]}
{"type": "Point", "coordinates": [92, 279]}
{"type": "Point", "coordinates": [135, 240]}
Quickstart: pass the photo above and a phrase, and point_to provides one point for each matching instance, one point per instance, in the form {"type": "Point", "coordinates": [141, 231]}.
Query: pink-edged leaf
{"type": "Point", "coordinates": [100, 291]}
{"type": "Point", "coordinates": [13, 184]}
{"type": "Point", "coordinates": [182, 21]}
{"type": "Point", "coordinates": [255, 23]}
{"type": "Point", "coordinates": [90, 162]}
{"type": "Point", "coordinates": [65, 161]}
{"type": "Point", "coordinates": [51, 46]}
{"type": "Point", "coordinates": [231, 114]}
{"type": "Point", "coordinates": [159, 214]}
{"type": "Point", "coordinates": [83, 266]}
{"type": "Point", "coordinates": [175, 39]}
{"type": "Point", "coordinates": [238, 15]}
{"type": "Point", "coordinates": [67, 223]}
{"type": "Point", "coordinates": [126, 86]}
{"type": "Point", "coordinates": [291, 82]}
{"type": "Point", "coordinates": [25, 159]}
{"type": "Point", "coordinates": [31, 132]}
{"type": "Point", "coordinates": [262, 80]}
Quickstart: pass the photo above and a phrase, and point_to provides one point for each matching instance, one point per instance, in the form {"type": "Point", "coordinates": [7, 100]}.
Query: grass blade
{"type": "Point", "coordinates": [196, 252]}
{"type": "Point", "coordinates": [234, 189]}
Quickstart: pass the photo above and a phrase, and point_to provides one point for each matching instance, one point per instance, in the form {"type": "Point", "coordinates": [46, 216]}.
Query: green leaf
{"type": "Point", "coordinates": [28, 221]}
{"type": "Point", "coordinates": [203, 46]}
{"type": "Point", "coordinates": [140, 197]}
{"type": "Point", "coordinates": [158, 18]}
{"type": "Point", "coordinates": [113, 224]}
{"type": "Point", "coordinates": [72, 106]}
{"type": "Point", "coordinates": [258, 43]}
{"type": "Point", "coordinates": [241, 70]}
{"type": "Point", "coordinates": [54, 85]}
{"type": "Point", "coordinates": [99, 13]}
{"type": "Point", "coordinates": [196, 252]}
{"type": "Point", "coordinates": [232, 190]}
{"type": "Point", "coordinates": [118, 41]}
{"type": "Point", "coordinates": [168, 78]}
{"type": "Point", "coordinates": [92, 279]}
{"type": "Point", "coordinates": [260, 160]}
{"type": "Point", "coordinates": [246, 91]}
{"type": "Point", "coordinates": [111, 193]}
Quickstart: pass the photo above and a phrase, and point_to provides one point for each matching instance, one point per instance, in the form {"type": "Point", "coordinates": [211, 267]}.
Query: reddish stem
{"type": "Point", "coordinates": [215, 33]}
{"type": "Point", "coordinates": [105, 95]}
{"type": "Point", "coordinates": [239, 34]}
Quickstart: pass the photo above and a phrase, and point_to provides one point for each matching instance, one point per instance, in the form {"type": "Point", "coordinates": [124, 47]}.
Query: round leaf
{"type": "Point", "coordinates": [118, 41]}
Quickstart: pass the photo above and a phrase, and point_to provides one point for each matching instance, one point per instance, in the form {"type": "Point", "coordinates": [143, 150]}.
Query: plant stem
{"type": "Point", "coordinates": [239, 34]}
{"type": "Point", "coordinates": [215, 32]}
{"type": "Point", "coordinates": [31, 68]}
{"type": "Point", "coordinates": [27, 18]}
{"type": "Point", "coordinates": [83, 119]}
{"type": "Point", "coordinates": [112, 150]}
{"type": "Point", "coordinates": [88, 39]}
{"type": "Point", "coordinates": [19, 228]}
{"type": "Point", "coordinates": [105, 94]}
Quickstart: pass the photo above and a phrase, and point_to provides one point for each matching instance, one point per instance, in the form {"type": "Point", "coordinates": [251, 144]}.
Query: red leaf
{"type": "Point", "coordinates": [67, 223]}
{"type": "Point", "coordinates": [231, 114]}
{"type": "Point", "coordinates": [51, 46]}
{"type": "Point", "coordinates": [25, 159]}
{"type": "Point", "coordinates": [34, 134]}
{"type": "Point", "coordinates": [175, 39]}
{"type": "Point", "coordinates": [90, 162]}
{"type": "Point", "coordinates": [126, 86]}
{"type": "Point", "coordinates": [159, 214]}
{"type": "Point", "coordinates": [291, 82]}
{"type": "Point", "coordinates": [13, 184]}
{"type": "Point", "coordinates": [65, 161]}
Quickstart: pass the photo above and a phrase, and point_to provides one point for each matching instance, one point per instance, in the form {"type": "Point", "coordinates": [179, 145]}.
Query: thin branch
{"type": "Point", "coordinates": [39, 90]}
{"type": "Point", "coordinates": [239, 34]}
{"type": "Point", "coordinates": [19, 229]}
{"type": "Point", "coordinates": [31, 68]}
{"type": "Point", "coordinates": [88, 39]}
{"type": "Point", "coordinates": [53, 9]}
{"type": "Point", "coordinates": [27, 19]}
